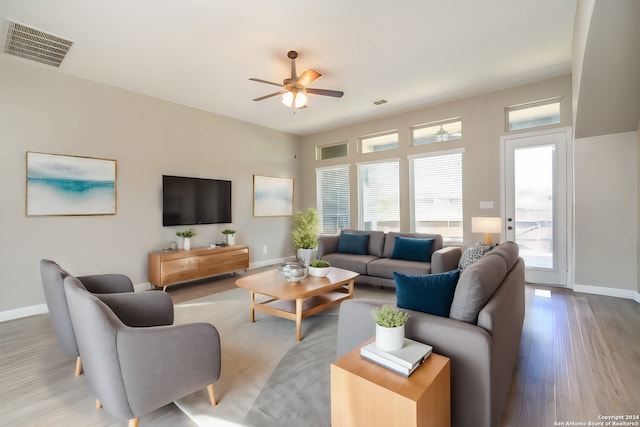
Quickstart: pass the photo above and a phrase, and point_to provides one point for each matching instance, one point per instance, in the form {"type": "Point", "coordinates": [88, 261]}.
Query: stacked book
{"type": "Point", "coordinates": [403, 361]}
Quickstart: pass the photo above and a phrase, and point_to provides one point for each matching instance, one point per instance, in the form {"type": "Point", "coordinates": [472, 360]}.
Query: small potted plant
{"type": "Point", "coordinates": [186, 235]}
{"type": "Point", "coordinates": [390, 323]}
{"type": "Point", "coordinates": [319, 268]}
{"type": "Point", "coordinates": [229, 236]}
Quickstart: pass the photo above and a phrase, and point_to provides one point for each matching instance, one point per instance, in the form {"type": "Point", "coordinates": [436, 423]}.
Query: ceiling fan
{"type": "Point", "coordinates": [295, 89]}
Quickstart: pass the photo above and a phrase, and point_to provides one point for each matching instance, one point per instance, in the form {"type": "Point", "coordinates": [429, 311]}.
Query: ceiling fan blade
{"type": "Point", "coordinates": [307, 77]}
{"type": "Point", "coordinates": [270, 95]}
{"type": "Point", "coordinates": [325, 92]}
{"type": "Point", "coordinates": [266, 81]}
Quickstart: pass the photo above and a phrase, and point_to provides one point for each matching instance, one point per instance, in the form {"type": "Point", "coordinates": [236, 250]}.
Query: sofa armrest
{"type": "Point", "coordinates": [327, 245]}
{"type": "Point", "coordinates": [468, 347]}
{"type": "Point", "coordinates": [503, 317]}
{"type": "Point", "coordinates": [140, 309]}
{"type": "Point", "coordinates": [107, 283]}
{"type": "Point", "coordinates": [445, 259]}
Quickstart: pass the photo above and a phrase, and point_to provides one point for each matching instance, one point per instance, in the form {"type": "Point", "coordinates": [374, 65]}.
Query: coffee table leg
{"type": "Point", "coordinates": [252, 315]}
{"type": "Point", "coordinates": [299, 302]}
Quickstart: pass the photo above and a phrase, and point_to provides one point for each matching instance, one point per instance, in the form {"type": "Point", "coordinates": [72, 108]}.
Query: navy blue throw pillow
{"type": "Point", "coordinates": [351, 243]}
{"type": "Point", "coordinates": [431, 293]}
{"type": "Point", "coordinates": [412, 249]}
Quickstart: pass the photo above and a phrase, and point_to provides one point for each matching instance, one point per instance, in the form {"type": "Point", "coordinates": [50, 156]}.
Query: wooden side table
{"type": "Point", "coordinates": [365, 394]}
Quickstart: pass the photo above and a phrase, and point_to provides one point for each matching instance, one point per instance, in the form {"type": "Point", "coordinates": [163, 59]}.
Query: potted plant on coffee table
{"type": "Point", "coordinates": [390, 323]}
{"type": "Point", "coordinates": [319, 268]}
{"type": "Point", "coordinates": [306, 229]}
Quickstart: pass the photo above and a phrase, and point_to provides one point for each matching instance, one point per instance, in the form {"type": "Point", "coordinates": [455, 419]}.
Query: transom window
{"type": "Point", "coordinates": [533, 114]}
{"type": "Point", "coordinates": [445, 130]}
{"type": "Point", "coordinates": [333, 198]}
{"type": "Point", "coordinates": [436, 195]}
{"type": "Point", "coordinates": [379, 142]}
{"type": "Point", "coordinates": [332, 151]}
{"type": "Point", "coordinates": [379, 196]}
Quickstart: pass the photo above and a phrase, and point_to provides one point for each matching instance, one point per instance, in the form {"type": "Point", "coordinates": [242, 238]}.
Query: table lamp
{"type": "Point", "coordinates": [486, 225]}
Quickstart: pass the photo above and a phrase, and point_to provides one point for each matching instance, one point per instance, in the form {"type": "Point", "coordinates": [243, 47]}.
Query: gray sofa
{"type": "Point", "coordinates": [481, 336]}
{"type": "Point", "coordinates": [376, 267]}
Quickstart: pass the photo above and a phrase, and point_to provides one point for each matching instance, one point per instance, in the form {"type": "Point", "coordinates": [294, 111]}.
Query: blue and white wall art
{"type": "Point", "coordinates": [70, 185]}
{"type": "Point", "coordinates": [272, 196]}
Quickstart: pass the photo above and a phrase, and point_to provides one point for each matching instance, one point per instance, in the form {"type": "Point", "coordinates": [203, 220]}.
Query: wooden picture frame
{"type": "Point", "coordinates": [272, 196]}
{"type": "Point", "coordinates": [63, 185]}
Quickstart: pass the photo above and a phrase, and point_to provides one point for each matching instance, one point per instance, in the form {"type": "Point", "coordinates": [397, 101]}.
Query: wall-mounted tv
{"type": "Point", "coordinates": [188, 201]}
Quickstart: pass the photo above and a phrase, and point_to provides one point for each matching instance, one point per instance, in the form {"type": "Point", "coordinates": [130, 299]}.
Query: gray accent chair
{"type": "Point", "coordinates": [134, 370]}
{"type": "Point", "coordinates": [52, 282]}
{"type": "Point", "coordinates": [481, 336]}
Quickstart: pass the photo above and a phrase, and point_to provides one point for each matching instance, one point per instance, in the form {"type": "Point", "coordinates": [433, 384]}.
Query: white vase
{"type": "Point", "coordinates": [307, 255]}
{"type": "Point", "coordinates": [187, 243]}
{"type": "Point", "coordinates": [230, 239]}
{"type": "Point", "coordinates": [389, 339]}
{"type": "Point", "coordinates": [319, 271]}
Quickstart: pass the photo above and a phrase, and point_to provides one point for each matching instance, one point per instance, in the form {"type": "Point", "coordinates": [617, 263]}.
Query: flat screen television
{"type": "Point", "coordinates": [189, 201]}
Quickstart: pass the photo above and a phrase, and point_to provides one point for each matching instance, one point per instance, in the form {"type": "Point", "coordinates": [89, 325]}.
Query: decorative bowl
{"type": "Point", "coordinates": [319, 271]}
{"type": "Point", "coordinates": [293, 271]}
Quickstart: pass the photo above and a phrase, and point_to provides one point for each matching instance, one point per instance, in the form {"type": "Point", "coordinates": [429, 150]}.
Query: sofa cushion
{"type": "Point", "coordinates": [480, 280]}
{"type": "Point", "coordinates": [385, 267]}
{"type": "Point", "coordinates": [390, 241]}
{"type": "Point", "coordinates": [357, 263]}
{"type": "Point", "coordinates": [351, 243]}
{"type": "Point", "coordinates": [376, 240]}
{"type": "Point", "coordinates": [412, 249]}
{"type": "Point", "coordinates": [474, 253]}
{"type": "Point", "coordinates": [431, 293]}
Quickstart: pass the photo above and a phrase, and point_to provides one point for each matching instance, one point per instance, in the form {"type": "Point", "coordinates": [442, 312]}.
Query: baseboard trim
{"type": "Point", "coordinates": [609, 292]}
{"type": "Point", "coordinates": [19, 313]}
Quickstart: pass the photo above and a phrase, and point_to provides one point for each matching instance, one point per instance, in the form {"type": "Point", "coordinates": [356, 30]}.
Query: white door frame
{"type": "Point", "coordinates": [570, 258]}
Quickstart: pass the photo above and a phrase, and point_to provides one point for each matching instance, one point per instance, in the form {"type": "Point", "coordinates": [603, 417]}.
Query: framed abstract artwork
{"type": "Point", "coordinates": [272, 196]}
{"type": "Point", "coordinates": [70, 185]}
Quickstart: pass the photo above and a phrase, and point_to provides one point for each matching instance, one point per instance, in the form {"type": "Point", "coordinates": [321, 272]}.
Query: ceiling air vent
{"type": "Point", "coordinates": [35, 45]}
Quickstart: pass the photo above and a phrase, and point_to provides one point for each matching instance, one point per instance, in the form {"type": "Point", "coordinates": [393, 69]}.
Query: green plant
{"type": "Point", "coordinates": [306, 228]}
{"type": "Point", "coordinates": [389, 317]}
{"type": "Point", "coordinates": [228, 231]}
{"type": "Point", "coordinates": [319, 263]}
{"type": "Point", "coordinates": [187, 234]}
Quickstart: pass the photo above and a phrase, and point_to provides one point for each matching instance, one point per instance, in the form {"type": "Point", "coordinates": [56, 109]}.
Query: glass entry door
{"type": "Point", "coordinates": [535, 203]}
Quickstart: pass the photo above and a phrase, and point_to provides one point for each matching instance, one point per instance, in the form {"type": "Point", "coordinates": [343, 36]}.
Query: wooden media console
{"type": "Point", "coordinates": [176, 266]}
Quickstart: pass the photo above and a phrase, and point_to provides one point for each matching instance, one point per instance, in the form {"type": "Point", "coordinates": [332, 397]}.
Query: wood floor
{"type": "Point", "coordinates": [580, 358]}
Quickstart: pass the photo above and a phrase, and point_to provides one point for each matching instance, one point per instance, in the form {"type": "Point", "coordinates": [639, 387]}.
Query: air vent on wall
{"type": "Point", "coordinates": [35, 45]}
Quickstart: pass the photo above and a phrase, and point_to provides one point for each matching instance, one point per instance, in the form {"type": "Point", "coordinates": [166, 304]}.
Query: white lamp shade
{"type": "Point", "coordinates": [486, 225]}
{"type": "Point", "coordinates": [289, 98]}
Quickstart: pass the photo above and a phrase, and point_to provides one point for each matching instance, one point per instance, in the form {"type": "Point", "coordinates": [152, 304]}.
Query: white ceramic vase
{"type": "Point", "coordinates": [230, 239]}
{"type": "Point", "coordinates": [307, 255]}
{"type": "Point", "coordinates": [389, 339]}
{"type": "Point", "coordinates": [319, 271]}
{"type": "Point", "coordinates": [187, 243]}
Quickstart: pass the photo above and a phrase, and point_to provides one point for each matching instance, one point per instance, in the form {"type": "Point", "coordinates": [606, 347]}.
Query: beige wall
{"type": "Point", "coordinates": [606, 206]}
{"type": "Point", "coordinates": [483, 124]}
{"type": "Point", "coordinates": [47, 111]}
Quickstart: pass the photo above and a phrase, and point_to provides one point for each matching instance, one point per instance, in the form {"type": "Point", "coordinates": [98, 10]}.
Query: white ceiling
{"type": "Point", "coordinates": [413, 53]}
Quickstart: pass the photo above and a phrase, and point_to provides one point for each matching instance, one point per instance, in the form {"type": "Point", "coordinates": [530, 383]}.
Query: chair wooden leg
{"type": "Point", "coordinates": [212, 396]}
{"type": "Point", "coordinates": [98, 404]}
{"type": "Point", "coordinates": [78, 366]}
{"type": "Point", "coordinates": [133, 422]}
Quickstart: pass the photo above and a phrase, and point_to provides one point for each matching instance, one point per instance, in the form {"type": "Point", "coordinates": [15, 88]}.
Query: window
{"type": "Point", "coordinates": [533, 114]}
{"type": "Point", "coordinates": [379, 142]}
{"type": "Point", "coordinates": [436, 196]}
{"type": "Point", "coordinates": [333, 198]}
{"type": "Point", "coordinates": [445, 130]}
{"type": "Point", "coordinates": [379, 196]}
{"type": "Point", "coordinates": [332, 151]}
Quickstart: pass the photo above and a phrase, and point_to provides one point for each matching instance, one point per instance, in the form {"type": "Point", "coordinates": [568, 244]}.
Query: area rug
{"type": "Point", "coordinates": [268, 378]}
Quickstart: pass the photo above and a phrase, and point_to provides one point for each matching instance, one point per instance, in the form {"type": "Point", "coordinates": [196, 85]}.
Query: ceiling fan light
{"type": "Point", "coordinates": [301, 99]}
{"type": "Point", "coordinates": [287, 99]}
